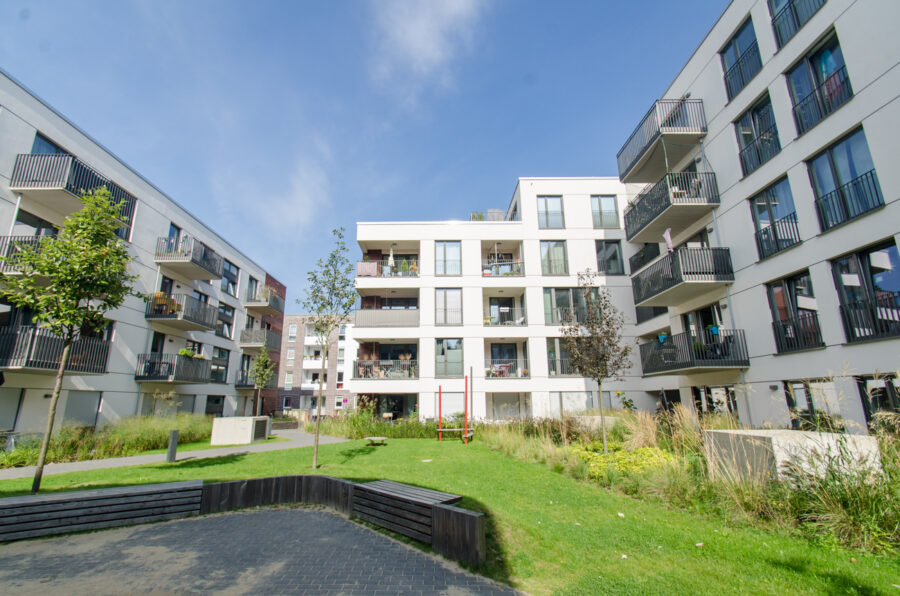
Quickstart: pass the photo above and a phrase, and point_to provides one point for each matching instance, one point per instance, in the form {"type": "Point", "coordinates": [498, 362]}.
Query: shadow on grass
{"type": "Point", "coordinates": [354, 452]}
{"type": "Point", "coordinates": [190, 463]}
{"type": "Point", "coordinates": [838, 583]}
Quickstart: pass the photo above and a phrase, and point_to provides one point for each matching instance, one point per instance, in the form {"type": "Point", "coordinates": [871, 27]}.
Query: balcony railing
{"type": "Point", "coordinates": [370, 317]}
{"type": "Point", "coordinates": [188, 249]}
{"type": "Point", "coordinates": [384, 268]}
{"type": "Point", "coordinates": [245, 379]}
{"type": "Point", "coordinates": [554, 267]}
{"type": "Point", "coordinates": [386, 369]}
{"type": "Point", "coordinates": [826, 98]}
{"type": "Point", "coordinates": [37, 348]}
{"type": "Point", "coordinates": [260, 338]}
{"type": "Point", "coordinates": [665, 116]}
{"type": "Point", "coordinates": [856, 198]}
{"type": "Point", "coordinates": [180, 307]}
{"type": "Point", "coordinates": [506, 368]}
{"type": "Point", "coordinates": [10, 246]}
{"type": "Point", "coordinates": [172, 368]}
{"type": "Point", "coordinates": [743, 71]}
{"type": "Point", "coordinates": [448, 267]}
{"type": "Point", "coordinates": [684, 188]}
{"type": "Point", "coordinates": [561, 367]}
{"type": "Point", "coordinates": [727, 348]}
{"type": "Point", "coordinates": [35, 171]}
{"type": "Point", "coordinates": [265, 297]}
{"type": "Point", "coordinates": [801, 332]}
{"type": "Point", "coordinates": [760, 150]}
{"type": "Point", "coordinates": [504, 316]}
{"type": "Point", "coordinates": [605, 219]}
{"type": "Point", "coordinates": [645, 313]}
{"type": "Point", "coordinates": [643, 256]}
{"type": "Point", "coordinates": [872, 319]}
{"type": "Point", "coordinates": [792, 17]}
{"type": "Point", "coordinates": [683, 265]}
{"type": "Point", "coordinates": [779, 235]}
{"type": "Point", "coordinates": [492, 268]}
{"type": "Point", "coordinates": [448, 316]}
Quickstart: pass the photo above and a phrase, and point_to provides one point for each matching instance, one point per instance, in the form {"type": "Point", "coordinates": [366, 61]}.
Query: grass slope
{"type": "Point", "coordinates": [550, 534]}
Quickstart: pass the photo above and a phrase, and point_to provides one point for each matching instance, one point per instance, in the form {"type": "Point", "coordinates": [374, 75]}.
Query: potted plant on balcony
{"type": "Point", "coordinates": [186, 352]}
{"type": "Point", "coordinates": [413, 269]}
{"type": "Point", "coordinates": [713, 329]}
{"type": "Point", "coordinates": [662, 336]}
{"type": "Point", "coordinates": [404, 268]}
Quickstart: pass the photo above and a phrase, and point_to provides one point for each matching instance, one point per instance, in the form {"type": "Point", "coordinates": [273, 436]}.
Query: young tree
{"type": "Point", "coordinates": [330, 297]}
{"type": "Point", "coordinates": [71, 282]}
{"type": "Point", "coordinates": [594, 343]}
{"type": "Point", "coordinates": [261, 371]}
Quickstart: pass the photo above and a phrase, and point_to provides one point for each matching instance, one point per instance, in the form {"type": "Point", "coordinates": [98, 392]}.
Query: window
{"type": "Point", "coordinates": [609, 257]}
{"type": "Point", "coordinates": [219, 368]}
{"type": "Point", "coordinates": [200, 297]}
{"type": "Point", "coordinates": [225, 322]}
{"type": "Point", "coordinates": [340, 385]}
{"type": "Point", "coordinates": [775, 219]}
{"type": "Point", "coordinates": [448, 306]}
{"type": "Point", "coordinates": [788, 16]}
{"type": "Point", "coordinates": [340, 358]}
{"type": "Point", "coordinates": [342, 333]}
{"type": "Point", "coordinates": [719, 400]}
{"type": "Point", "coordinates": [10, 401]}
{"type": "Point", "coordinates": [292, 332]}
{"type": "Point", "coordinates": [215, 405]}
{"type": "Point", "coordinates": [289, 357]}
{"type": "Point", "coordinates": [43, 145]}
{"type": "Point", "coordinates": [757, 136]}
{"type": "Point", "coordinates": [447, 258]}
{"type": "Point", "coordinates": [560, 303]}
{"type": "Point", "coordinates": [194, 346]}
{"type": "Point", "coordinates": [550, 212]}
{"type": "Point", "coordinates": [288, 381]}
{"type": "Point", "coordinates": [819, 85]}
{"type": "Point", "coordinates": [230, 275]}
{"type": "Point", "coordinates": [246, 363]}
{"type": "Point", "coordinates": [82, 408]}
{"type": "Point", "coordinates": [813, 405]}
{"type": "Point", "coordinates": [32, 225]}
{"type": "Point", "coordinates": [448, 358]}
{"type": "Point", "coordinates": [558, 359]}
{"type": "Point", "coordinates": [250, 322]}
{"type": "Point", "coordinates": [878, 394]}
{"type": "Point", "coordinates": [868, 284]}
{"type": "Point", "coordinates": [252, 288]}
{"type": "Point", "coordinates": [553, 257]}
{"type": "Point", "coordinates": [795, 313]}
{"type": "Point", "coordinates": [844, 180]}
{"type": "Point", "coordinates": [740, 59]}
{"type": "Point", "coordinates": [605, 210]}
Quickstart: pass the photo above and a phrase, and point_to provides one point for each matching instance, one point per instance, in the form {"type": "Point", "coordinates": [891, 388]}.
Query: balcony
{"type": "Point", "coordinates": [743, 71]}
{"type": "Point", "coordinates": [171, 368]}
{"type": "Point", "coordinates": [760, 150]}
{"type": "Point", "coordinates": [682, 275]}
{"type": "Point", "coordinates": [387, 268]}
{"type": "Point", "coordinates": [245, 380]}
{"type": "Point", "coordinates": [502, 268]}
{"type": "Point", "coordinates": [688, 353]}
{"type": "Point", "coordinates": [649, 252]}
{"type": "Point", "coordinates": [33, 349]}
{"type": "Point", "coordinates": [257, 339]}
{"type": "Point", "coordinates": [779, 235]}
{"type": "Point", "coordinates": [372, 317]}
{"type": "Point", "coordinates": [854, 199]}
{"type": "Point", "coordinates": [386, 369]}
{"type": "Point", "coordinates": [181, 312]}
{"type": "Point", "coordinates": [504, 316]}
{"type": "Point", "coordinates": [676, 201]}
{"type": "Point", "coordinates": [561, 367]}
{"type": "Point", "coordinates": [792, 17]}
{"type": "Point", "coordinates": [506, 368]}
{"type": "Point", "coordinates": [798, 333]}
{"type": "Point", "coordinates": [56, 181]}
{"type": "Point", "coordinates": [10, 247]}
{"type": "Point", "coordinates": [189, 258]}
{"type": "Point", "coordinates": [872, 319]}
{"type": "Point", "coordinates": [642, 314]}
{"type": "Point", "coordinates": [264, 301]}
{"type": "Point", "coordinates": [826, 98]}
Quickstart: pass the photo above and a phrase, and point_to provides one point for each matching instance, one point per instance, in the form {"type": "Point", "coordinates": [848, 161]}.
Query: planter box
{"type": "Point", "coordinates": [240, 430]}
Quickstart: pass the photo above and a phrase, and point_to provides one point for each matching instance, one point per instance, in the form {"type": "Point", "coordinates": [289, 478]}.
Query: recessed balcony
{"type": "Point", "coordinates": [172, 368]}
{"type": "Point", "coordinates": [180, 312]}
{"type": "Point", "coordinates": [679, 124]}
{"type": "Point", "coordinates": [258, 339]}
{"type": "Point", "coordinates": [33, 349]}
{"type": "Point", "coordinates": [189, 258]}
{"type": "Point", "coordinates": [386, 369]}
{"type": "Point", "coordinates": [689, 353]}
{"type": "Point", "coordinates": [682, 275]}
{"type": "Point", "coordinates": [677, 201]}
{"type": "Point", "coordinates": [264, 301]}
{"type": "Point", "coordinates": [502, 258]}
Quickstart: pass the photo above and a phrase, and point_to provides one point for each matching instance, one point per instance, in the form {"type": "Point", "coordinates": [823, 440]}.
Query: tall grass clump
{"type": "Point", "coordinates": [360, 423]}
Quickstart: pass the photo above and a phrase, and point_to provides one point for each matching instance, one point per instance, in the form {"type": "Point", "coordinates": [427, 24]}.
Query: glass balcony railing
{"type": "Point", "coordinates": [371, 317]}
{"type": "Point", "coordinates": [500, 268]}
{"type": "Point", "coordinates": [388, 268]}
{"type": "Point", "coordinates": [506, 368]}
{"type": "Point", "coordinates": [504, 316]}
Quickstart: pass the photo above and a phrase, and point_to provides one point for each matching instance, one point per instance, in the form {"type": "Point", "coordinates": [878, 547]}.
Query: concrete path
{"type": "Point", "coordinates": [269, 551]}
{"type": "Point", "coordinates": [295, 438]}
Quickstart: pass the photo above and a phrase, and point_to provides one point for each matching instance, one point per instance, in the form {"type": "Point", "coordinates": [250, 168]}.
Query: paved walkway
{"type": "Point", "coordinates": [295, 438]}
{"type": "Point", "coordinates": [269, 551]}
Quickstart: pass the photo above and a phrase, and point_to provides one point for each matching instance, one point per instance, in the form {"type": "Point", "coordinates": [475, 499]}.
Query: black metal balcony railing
{"type": "Point", "coordinates": [856, 198]}
{"type": "Point", "coordinates": [665, 116]}
{"type": "Point", "coordinates": [10, 246]}
{"type": "Point", "coordinates": [265, 296]}
{"type": "Point", "coordinates": [492, 268]}
{"type": "Point", "coordinates": [742, 71]}
{"type": "Point", "coordinates": [605, 219]}
{"type": "Point", "coordinates": [448, 316]}
{"type": "Point", "coordinates": [260, 337]}
{"type": "Point", "coordinates": [372, 317]}
{"type": "Point", "coordinates": [35, 171]}
{"type": "Point", "coordinates": [172, 368]}
{"type": "Point", "coordinates": [792, 17]}
{"type": "Point", "coordinates": [386, 369]}
{"type": "Point", "coordinates": [727, 348]}
{"type": "Point", "coordinates": [683, 265]}
{"type": "Point", "coordinates": [554, 267]}
{"type": "Point", "coordinates": [645, 313]}
{"type": "Point", "coordinates": [779, 235]}
{"type": "Point", "coordinates": [180, 306]}
{"type": "Point", "coordinates": [34, 347]}
{"type": "Point", "coordinates": [801, 332]}
{"type": "Point", "coordinates": [246, 379]}
{"type": "Point", "coordinates": [760, 150]}
{"type": "Point", "coordinates": [872, 319]}
{"type": "Point", "coordinates": [506, 368]}
{"type": "Point", "coordinates": [561, 367]}
{"type": "Point", "coordinates": [188, 248]}
{"type": "Point", "coordinates": [826, 98]}
{"type": "Point", "coordinates": [504, 316]}
{"type": "Point", "coordinates": [643, 256]}
{"type": "Point", "coordinates": [684, 188]}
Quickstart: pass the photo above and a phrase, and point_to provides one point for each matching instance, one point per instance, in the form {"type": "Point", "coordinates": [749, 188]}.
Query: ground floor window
{"type": "Point", "coordinates": [82, 408]}
{"type": "Point", "coordinates": [215, 405]}
{"type": "Point", "coordinates": [574, 402]}
{"type": "Point", "coordinates": [10, 402]}
{"type": "Point", "coordinates": [719, 400]}
{"type": "Point", "coordinates": [813, 405]}
{"type": "Point", "coordinates": [879, 394]}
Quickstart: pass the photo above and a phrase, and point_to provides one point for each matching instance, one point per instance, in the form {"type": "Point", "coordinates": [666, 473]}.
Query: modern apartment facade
{"type": "Point", "coordinates": [769, 162]}
{"type": "Point", "coordinates": [188, 347]}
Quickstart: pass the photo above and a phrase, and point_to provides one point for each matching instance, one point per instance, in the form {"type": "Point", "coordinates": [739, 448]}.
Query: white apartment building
{"type": "Point", "coordinates": [188, 348]}
{"type": "Point", "coordinates": [771, 159]}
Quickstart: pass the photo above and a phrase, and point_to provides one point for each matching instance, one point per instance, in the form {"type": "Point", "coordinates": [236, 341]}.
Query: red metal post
{"type": "Point", "coordinates": [440, 435]}
{"type": "Point", "coordinates": [466, 413]}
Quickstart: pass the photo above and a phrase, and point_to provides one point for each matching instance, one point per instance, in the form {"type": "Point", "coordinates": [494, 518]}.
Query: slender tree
{"type": "Point", "coordinates": [330, 297]}
{"type": "Point", "coordinates": [593, 340]}
{"type": "Point", "coordinates": [261, 371]}
{"type": "Point", "coordinates": [71, 282]}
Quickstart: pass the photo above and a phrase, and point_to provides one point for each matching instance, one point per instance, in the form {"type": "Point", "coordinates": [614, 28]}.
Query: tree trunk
{"type": "Point", "coordinates": [602, 414]}
{"type": "Point", "coordinates": [319, 410]}
{"type": "Point", "coordinates": [51, 415]}
{"type": "Point", "coordinates": [562, 419]}
{"type": "Point", "coordinates": [258, 401]}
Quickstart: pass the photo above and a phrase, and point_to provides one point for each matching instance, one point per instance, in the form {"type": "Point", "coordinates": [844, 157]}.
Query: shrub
{"type": "Point", "coordinates": [362, 422]}
{"type": "Point", "coordinates": [622, 462]}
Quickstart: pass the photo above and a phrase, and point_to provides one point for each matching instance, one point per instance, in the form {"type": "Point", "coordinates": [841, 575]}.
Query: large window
{"type": "Point", "coordinates": [740, 59]}
{"type": "Point", "coordinates": [252, 288]}
{"type": "Point", "coordinates": [448, 306]}
{"type": "Point", "coordinates": [813, 405]}
{"type": "Point", "coordinates": [557, 358]}
{"type": "Point", "coordinates": [448, 358]}
{"type": "Point", "coordinates": [819, 85]}
{"type": "Point", "coordinates": [775, 219]}
{"type": "Point", "coordinates": [447, 258]}
{"type": "Point", "coordinates": [795, 313]}
{"type": "Point", "coordinates": [561, 303]}
{"type": "Point", "coordinates": [288, 381]}
{"type": "Point", "coordinates": [292, 332]}
{"type": "Point", "coordinates": [219, 365]}
{"type": "Point", "coordinates": [10, 399]}
{"type": "Point", "coordinates": [550, 212]}
{"type": "Point", "coordinates": [230, 275]}
{"type": "Point", "coordinates": [289, 356]}
{"type": "Point", "coordinates": [879, 393]}
{"type": "Point", "coordinates": [225, 321]}
{"type": "Point", "coordinates": [788, 16]}
{"type": "Point", "coordinates": [609, 257]}
{"type": "Point", "coordinates": [554, 260]}
{"type": "Point", "coordinates": [757, 136]}
{"type": "Point", "coordinates": [44, 145]}
{"type": "Point", "coordinates": [844, 180]}
{"type": "Point", "coordinates": [868, 283]}
{"type": "Point", "coordinates": [605, 211]}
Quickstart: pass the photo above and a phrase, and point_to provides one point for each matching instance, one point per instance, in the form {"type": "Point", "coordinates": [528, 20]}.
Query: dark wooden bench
{"type": "Point", "coordinates": [399, 507]}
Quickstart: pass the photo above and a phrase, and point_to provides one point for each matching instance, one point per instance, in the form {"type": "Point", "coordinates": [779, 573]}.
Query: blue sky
{"type": "Point", "coordinates": [278, 121]}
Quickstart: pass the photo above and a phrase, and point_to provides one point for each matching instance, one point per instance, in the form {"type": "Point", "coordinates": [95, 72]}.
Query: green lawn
{"type": "Point", "coordinates": [550, 534]}
{"type": "Point", "coordinates": [202, 445]}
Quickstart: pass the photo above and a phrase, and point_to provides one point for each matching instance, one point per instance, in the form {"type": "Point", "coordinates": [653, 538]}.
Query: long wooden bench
{"type": "Point", "coordinates": [399, 507]}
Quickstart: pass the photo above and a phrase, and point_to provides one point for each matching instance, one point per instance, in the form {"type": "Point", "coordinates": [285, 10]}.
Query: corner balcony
{"type": "Point", "coordinates": [372, 317]}
{"type": "Point", "coordinates": [10, 247]}
{"type": "Point", "coordinates": [171, 368]}
{"type": "Point", "coordinates": [677, 123]}
{"type": "Point", "coordinates": [386, 369]}
{"type": "Point", "coordinates": [33, 349]}
{"type": "Point", "coordinates": [189, 258]}
{"type": "Point", "coordinates": [682, 275]}
{"type": "Point", "coordinates": [257, 339]}
{"type": "Point", "coordinates": [264, 302]}
{"type": "Point", "coordinates": [877, 318]}
{"type": "Point", "coordinates": [688, 353]}
{"type": "Point", "coordinates": [181, 312]}
{"type": "Point", "coordinates": [677, 201]}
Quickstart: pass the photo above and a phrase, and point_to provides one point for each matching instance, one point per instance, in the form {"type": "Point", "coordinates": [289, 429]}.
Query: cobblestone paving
{"type": "Point", "coordinates": [284, 551]}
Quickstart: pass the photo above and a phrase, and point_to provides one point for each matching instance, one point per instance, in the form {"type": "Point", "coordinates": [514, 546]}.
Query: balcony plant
{"type": "Point", "coordinates": [404, 268]}
{"type": "Point", "coordinates": [187, 353]}
{"type": "Point", "coordinates": [413, 268]}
